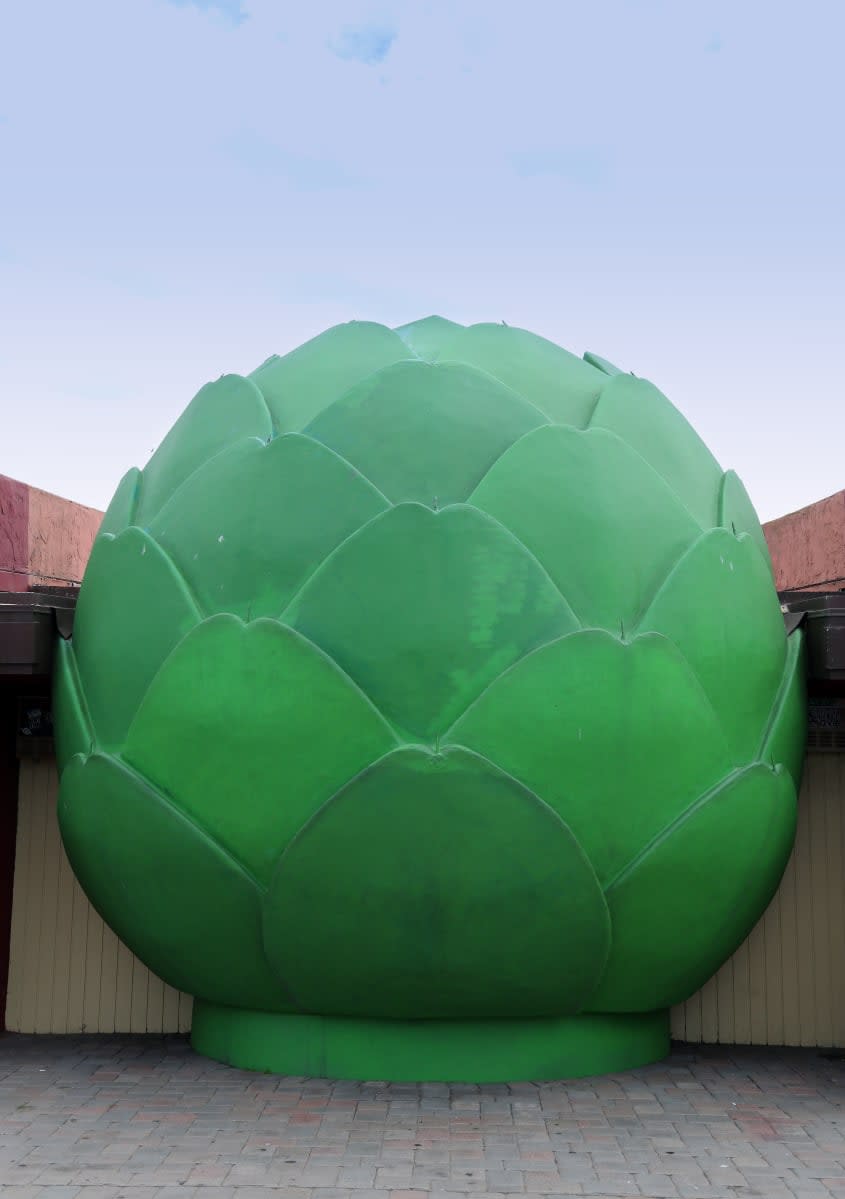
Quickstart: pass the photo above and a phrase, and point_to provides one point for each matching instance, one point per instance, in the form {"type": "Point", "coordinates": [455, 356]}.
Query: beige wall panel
{"type": "Point", "coordinates": [785, 985]}
{"type": "Point", "coordinates": [68, 972]}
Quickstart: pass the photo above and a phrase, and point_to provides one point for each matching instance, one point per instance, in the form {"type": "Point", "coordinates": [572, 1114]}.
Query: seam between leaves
{"type": "Point", "coordinates": [274, 424]}
{"type": "Point", "coordinates": [208, 841]}
{"type": "Point", "coordinates": [79, 692]}
{"type": "Point", "coordinates": [596, 403]}
{"type": "Point", "coordinates": [528, 432]}
{"type": "Point", "coordinates": [152, 517]}
{"type": "Point", "coordinates": [486, 516]}
{"type": "Point", "coordinates": [222, 450]}
{"type": "Point", "coordinates": [185, 817]}
{"type": "Point", "coordinates": [723, 784]}
{"type": "Point", "coordinates": [520, 544]}
{"type": "Point", "coordinates": [435, 746]}
{"type": "Point", "coordinates": [319, 812]}
{"type": "Point", "coordinates": [488, 686]}
{"type": "Point", "coordinates": [408, 355]}
{"type": "Point", "coordinates": [626, 641]}
{"type": "Point", "coordinates": [793, 657]}
{"type": "Point", "coordinates": [335, 665]}
{"type": "Point", "coordinates": [356, 470]}
{"type": "Point", "coordinates": [660, 474]}
{"type": "Point", "coordinates": [200, 610]}
{"type": "Point", "coordinates": [610, 432]}
{"type": "Point", "coordinates": [487, 374]}
{"type": "Point", "coordinates": [135, 501]}
{"type": "Point", "coordinates": [648, 604]}
{"type": "Point", "coordinates": [542, 423]}
{"type": "Point", "coordinates": [741, 538]}
{"type": "Point", "coordinates": [304, 584]}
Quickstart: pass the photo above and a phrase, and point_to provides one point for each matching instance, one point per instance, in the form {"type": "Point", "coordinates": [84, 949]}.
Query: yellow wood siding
{"type": "Point", "coordinates": [784, 986]}
{"type": "Point", "coordinates": [68, 972]}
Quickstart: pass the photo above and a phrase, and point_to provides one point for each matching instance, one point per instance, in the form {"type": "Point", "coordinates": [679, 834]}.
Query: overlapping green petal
{"type": "Point", "coordinates": [736, 513]}
{"type": "Point", "coordinates": [719, 608]}
{"type": "Point", "coordinates": [425, 433]}
{"type": "Point", "coordinates": [642, 416]}
{"type": "Point", "coordinates": [434, 606]}
{"type": "Point", "coordinates": [222, 412]}
{"type": "Point", "coordinates": [783, 742]}
{"type": "Point", "coordinates": [70, 712]}
{"type": "Point", "coordinates": [563, 492]}
{"type": "Point", "coordinates": [133, 609]}
{"type": "Point", "coordinates": [617, 737]}
{"type": "Point", "coordinates": [602, 364]}
{"type": "Point", "coordinates": [564, 387]}
{"type": "Point", "coordinates": [696, 891]}
{"type": "Point", "coordinates": [249, 527]}
{"type": "Point", "coordinates": [121, 511]}
{"type": "Point", "coordinates": [189, 911]}
{"type": "Point", "coordinates": [427, 338]}
{"type": "Point", "coordinates": [301, 384]}
{"type": "Point", "coordinates": [436, 886]}
{"type": "Point", "coordinates": [250, 729]}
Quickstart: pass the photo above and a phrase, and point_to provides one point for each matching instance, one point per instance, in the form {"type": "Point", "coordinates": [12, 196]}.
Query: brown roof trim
{"type": "Point", "coordinates": [29, 622]}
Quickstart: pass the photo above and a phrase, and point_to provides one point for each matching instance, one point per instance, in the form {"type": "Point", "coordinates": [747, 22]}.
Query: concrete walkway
{"type": "Point", "coordinates": [146, 1118]}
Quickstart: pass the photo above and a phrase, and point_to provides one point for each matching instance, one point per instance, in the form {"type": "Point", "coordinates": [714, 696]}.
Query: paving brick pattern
{"type": "Point", "coordinates": [146, 1118]}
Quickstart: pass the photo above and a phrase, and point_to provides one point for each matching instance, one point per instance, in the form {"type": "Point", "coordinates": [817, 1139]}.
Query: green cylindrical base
{"type": "Point", "coordinates": [430, 1050]}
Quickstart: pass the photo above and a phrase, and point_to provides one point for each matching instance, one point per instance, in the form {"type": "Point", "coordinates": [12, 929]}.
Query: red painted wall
{"type": "Point", "coordinates": [14, 534]}
{"type": "Point", "coordinates": [808, 546]}
{"type": "Point", "coordinates": [43, 538]}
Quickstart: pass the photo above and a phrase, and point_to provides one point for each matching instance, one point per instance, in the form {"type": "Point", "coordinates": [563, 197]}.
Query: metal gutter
{"type": "Point", "coordinates": [29, 623]}
{"type": "Point", "coordinates": [822, 615]}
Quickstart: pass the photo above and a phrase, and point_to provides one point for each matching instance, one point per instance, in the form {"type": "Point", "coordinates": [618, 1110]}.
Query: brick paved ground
{"type": "Point", "coordinates": [145, 1118]}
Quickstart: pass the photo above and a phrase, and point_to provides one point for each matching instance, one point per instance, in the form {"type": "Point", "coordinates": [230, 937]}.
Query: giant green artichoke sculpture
{"type": "Point", "coordinates": [429, 711]}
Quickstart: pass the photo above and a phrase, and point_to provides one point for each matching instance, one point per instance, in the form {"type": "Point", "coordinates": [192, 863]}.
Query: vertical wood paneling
{"type": "Point", "coordinates": [123, 989]}
{"type": "Point", "coordinates": [17, 933]}
{"type": "Point", "coordinates": [68, 972]}
{"type": "Point", "coordinates": [44, 981]}
{"type": "Point", "coordinates": [108, 981]}
{"type": "Point", "coordinates": [64, 926]}
{"type": "Point", "coordinates": [186, 1008]}
{"type": "Point", "coordinates": [773, 990]}
{"type": "Point", "coordinates": [785, 985]}
{"type": "Point", "coordinates": [756, 1001]}
{"type": "Point", "coordinates": [835, 858]}
{"type": "Point", "coordinates": [806, 957]}
{"type": "Point", "coordinates": [76, 966]}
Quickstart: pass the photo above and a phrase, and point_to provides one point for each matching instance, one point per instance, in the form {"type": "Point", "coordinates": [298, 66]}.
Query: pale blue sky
{"type": "Point", "coordinates": [189, 187]}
